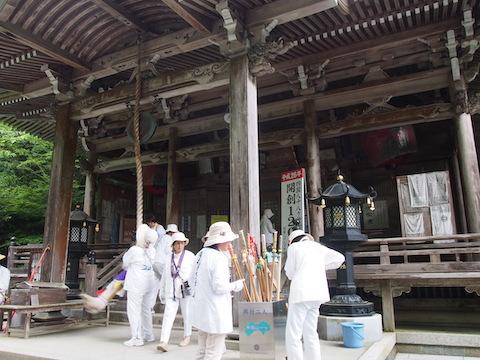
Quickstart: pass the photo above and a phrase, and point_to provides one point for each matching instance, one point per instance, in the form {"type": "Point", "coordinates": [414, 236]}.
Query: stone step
{"type": "Point", "coordinates": [462, 342]}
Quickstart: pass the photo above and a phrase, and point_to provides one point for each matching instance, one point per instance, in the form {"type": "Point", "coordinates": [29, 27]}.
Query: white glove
{"type": "Point", "coordinates": [238, 285]}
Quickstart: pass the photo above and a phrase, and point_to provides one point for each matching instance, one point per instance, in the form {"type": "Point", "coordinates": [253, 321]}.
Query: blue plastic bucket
{"type": "Point", "coordinates": [353, 334]}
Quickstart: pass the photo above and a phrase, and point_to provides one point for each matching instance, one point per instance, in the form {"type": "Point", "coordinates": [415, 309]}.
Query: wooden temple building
{"type": "Point", "coordinates": [229, 94]}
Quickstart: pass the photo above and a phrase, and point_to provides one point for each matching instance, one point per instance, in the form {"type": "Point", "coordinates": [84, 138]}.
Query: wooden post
{"type": "Point", "coordinates": [53, 268]}
{"type": "Point", "coordinates": [313, 168]}
{"type": "Point", "coordinates": [91, 279]}
{"type": "Point", "coordinates": [89, 197]}
{"type": "Point", "coordinates": [172, 179]}
{"type": "Point", "coordinates": [388, 314]}
{"type": "Point", "coordinates": [244, 166]}
{"type": "Point", "coordinates": [468, 157]}
{"type": "Point", "coordinates": [244, 172]}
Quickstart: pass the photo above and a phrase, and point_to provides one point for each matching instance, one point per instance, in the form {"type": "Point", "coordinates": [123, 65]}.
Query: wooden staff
{"type": "Point", "coordinates": [239, 272]}
{"type": "Point", "coordinates": [263, 249]}
{"type": "Point", "coordinates": [274, 257]}
{"type": "Point", "coordinates": [257, 268]}
{"type": "Point", "coordinates": [262, 275]}
{"type": "Point", "coordinates": [250, 269]}
{"type": "Point", "coordinates": [279, 268]}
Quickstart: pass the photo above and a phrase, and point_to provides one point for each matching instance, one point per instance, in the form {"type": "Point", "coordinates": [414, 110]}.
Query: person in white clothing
{"type": "Point", "coordinates": [164, 249]}
{"type": "Point", "coordinates": [138, 262]}
{"type": "Point", "coordinates": [211, 304]}
{"type": "Point", "coordinates": [306, 265]}
{"type": "Point", "coordinates": [266, 228]}
{"type": "Point", "coordinates": [174, 290]}
{"type": "Point", "coordinates": [160, 255]}
{"type": "Point", "coordinates": [4, 281]}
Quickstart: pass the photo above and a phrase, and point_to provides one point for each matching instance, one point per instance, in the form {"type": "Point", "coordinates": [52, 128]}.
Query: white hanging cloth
{"type": "Point", "coordinates": [437, 188]}
{"type": "Point", "coordinates": [417, 186]}
{"type": "Point", "coordinates": [414, 225]}
{"type": "Point", "coordinates": [441, 218]}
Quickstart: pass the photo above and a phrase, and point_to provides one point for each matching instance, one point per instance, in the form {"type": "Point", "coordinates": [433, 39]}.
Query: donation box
{"type": "Point", "coordinates": [262, 330]}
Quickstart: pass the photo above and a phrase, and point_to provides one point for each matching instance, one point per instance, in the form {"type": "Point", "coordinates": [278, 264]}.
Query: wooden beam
{"type": "Point", "coordinates": [196, 20]}
{"type": "Point", "coordinates": [117, 12]}
{"type": "Point", "coordinates": [35, 42]}
{"type": "Point", "coordinates": [285, 11]}
{"type": "Point", "coordinates": [289, 137]}
{"type": "Point", "coordinates": [429, 80]}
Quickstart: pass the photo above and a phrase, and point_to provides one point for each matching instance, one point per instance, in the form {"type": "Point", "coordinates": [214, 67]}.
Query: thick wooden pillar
{"type": "Point", "coordinates": [244, 171]}
{"type": "Point", "coordinates": [90, 180]}
{"type": "Point", "coordinates": [313, 168]}
{"type": "Point", "coordinates": [57, 216]}
{"type": "Point", "coordinates": [468, 158]}
{"type": "Point", "coordinates": [173, 216]}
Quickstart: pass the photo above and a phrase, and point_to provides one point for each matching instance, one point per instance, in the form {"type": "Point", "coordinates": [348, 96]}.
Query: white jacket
{"type": "Point", "coordinates": [305, 266]}
{"type": "Point", "coordinates": [211, 304]}
{"type": "Point", "coordinates": [162, 250]}
{"type": "Point", "coordinates": [138, 263]}
{"type": "Point", "coordinates": [166, 283]}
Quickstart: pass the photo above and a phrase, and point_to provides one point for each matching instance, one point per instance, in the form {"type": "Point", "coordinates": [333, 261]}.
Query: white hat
{"type": "Point", "coordinates": [268, 213]}
{"type": "Point", "coordinates": [219, 233]}
{"type": "Point", "coordinates": [2, 256]}
{"type": "Point", "coordinates": [296, 233]}
{"type": "Point", "coordinates": [145, 235]}
{"type": "Point", "coordinates": [179, 236]}
{"type": "Point", "coordinates": [172, 228]}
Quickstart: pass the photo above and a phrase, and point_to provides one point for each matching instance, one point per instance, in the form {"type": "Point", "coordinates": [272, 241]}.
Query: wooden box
{"type": "Point", "coordinates": [38, 293]}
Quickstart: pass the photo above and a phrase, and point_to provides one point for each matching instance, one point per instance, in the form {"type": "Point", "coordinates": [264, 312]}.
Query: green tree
{"type": "Point", "coordinates": [25, 163]}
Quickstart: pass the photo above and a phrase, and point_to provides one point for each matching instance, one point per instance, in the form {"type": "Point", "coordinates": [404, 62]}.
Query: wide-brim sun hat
{"type": "Point", "coordinates": [172, 228]}
{"type": "Point", "coordinates": [180, 236]}
{"type": "Point", "coordinates": [219, 233]}
{"type": "Point", "coordinates": [296, 233]}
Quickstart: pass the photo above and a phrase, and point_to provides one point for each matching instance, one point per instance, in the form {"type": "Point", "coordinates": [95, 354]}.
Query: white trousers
{"type": "Point", "coordinates": [302, 320]}
{"type": "Point", "coordinates": [139, 314]}
{"type": "Point", "coordinates": [154, 296]}
{"type": "Point", "coordinates": [210, 346]}
{"type": "Point", "coordinates": [169, 313]}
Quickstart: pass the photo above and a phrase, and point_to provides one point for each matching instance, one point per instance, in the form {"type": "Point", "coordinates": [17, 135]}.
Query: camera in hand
{"type": "Point", "coordinates": [185, 287]}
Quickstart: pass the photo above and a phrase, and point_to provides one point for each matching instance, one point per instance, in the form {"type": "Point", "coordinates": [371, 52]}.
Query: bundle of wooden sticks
{"type": "Point", "coordinates": [263, 269]}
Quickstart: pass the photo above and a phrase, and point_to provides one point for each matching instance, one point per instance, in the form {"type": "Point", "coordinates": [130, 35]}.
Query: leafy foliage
{"type": "Point", "coordinates": [25, 163]}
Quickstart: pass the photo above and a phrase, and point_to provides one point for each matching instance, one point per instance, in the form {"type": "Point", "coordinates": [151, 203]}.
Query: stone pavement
{"type": "Point", "coordinates": [104, 343]}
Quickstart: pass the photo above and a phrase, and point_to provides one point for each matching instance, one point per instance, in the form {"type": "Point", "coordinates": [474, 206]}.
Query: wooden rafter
{"type": "Point", "coordinates": [35, 42]}
{"type": "Point", "coordinates": [196, 20]}
{"type": "Point", "coordinates": [112, 8]}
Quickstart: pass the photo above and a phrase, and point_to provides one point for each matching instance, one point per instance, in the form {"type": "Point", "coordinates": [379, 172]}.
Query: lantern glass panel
{"type": "Point", "coordinates": [351, 214]}
{"type": "Point", "coordinates": [338, 216]}
{"type": "Point", "coordinates": [75, 234]}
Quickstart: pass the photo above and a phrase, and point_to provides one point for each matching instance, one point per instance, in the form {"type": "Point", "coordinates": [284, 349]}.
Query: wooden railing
{"type": "Point", "coordinates": [389, 267]}
{"type": "Point", "coordinates": [22, 260]}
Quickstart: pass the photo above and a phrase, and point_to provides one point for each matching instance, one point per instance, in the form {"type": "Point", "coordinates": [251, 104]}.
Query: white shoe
{"type": "Point", "coordinates": [162, 347]}
{"type": "Point", "coordinates": [134, 342]}
{"type": "Point", "coordinates": [185, 341]}
{"type": "Point", "coordinates": [150, 338]}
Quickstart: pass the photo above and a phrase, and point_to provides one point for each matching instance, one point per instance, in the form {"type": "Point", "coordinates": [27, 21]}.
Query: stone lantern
{"type": "Point", "coordinates": [80, 225]}
{"type": "Point", "coordinates": [341, 210]}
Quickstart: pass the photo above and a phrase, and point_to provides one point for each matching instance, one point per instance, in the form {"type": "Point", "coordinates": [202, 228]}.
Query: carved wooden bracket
{"type": "Point", "coordinates": [397, 290]}
{"type": "Point", "coordinates": [173, 109]}
{"type": "Point", "coordinates": [262, 53]}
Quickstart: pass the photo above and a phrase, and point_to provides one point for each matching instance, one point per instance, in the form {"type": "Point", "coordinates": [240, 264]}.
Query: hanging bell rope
{"type": "Point", "coordinates": [136, 136]}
